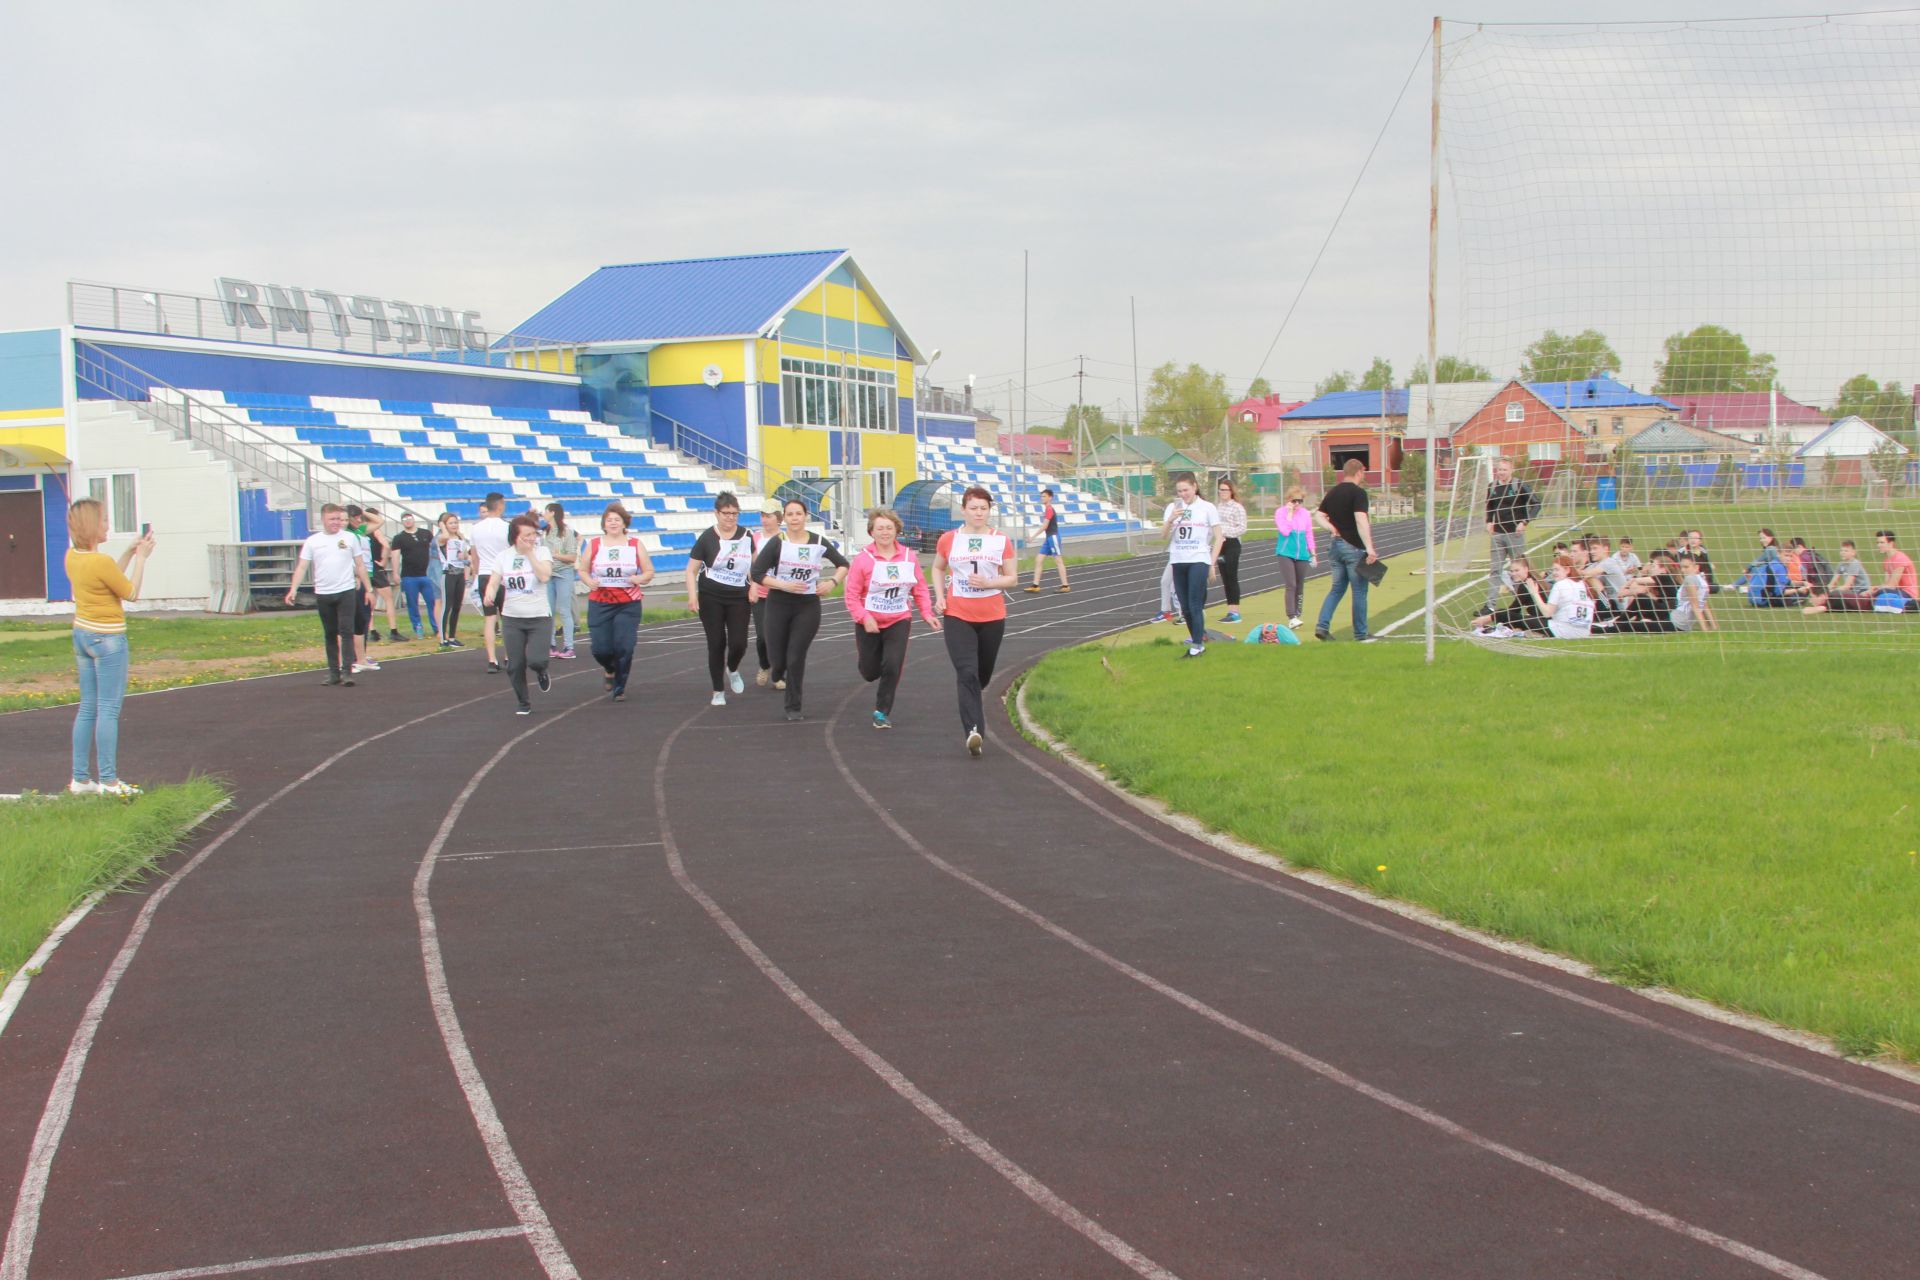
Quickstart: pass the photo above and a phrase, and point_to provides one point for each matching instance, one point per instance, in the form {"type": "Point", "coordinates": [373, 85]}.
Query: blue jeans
{"type": "Point", "coordinates": [102, 660]}
{"type": "Point", "coordinates": [1347, 560]}
{"type": "Point", "coordinates": [415, 590]}
{"type": "Point", "coordinates": [1190, 590]}
{"type": "Point", "coordinates": [560, 602]}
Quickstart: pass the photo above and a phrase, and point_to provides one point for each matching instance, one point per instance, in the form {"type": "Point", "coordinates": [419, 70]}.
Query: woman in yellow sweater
{"type": "Point", "coordinates": [100, 583]}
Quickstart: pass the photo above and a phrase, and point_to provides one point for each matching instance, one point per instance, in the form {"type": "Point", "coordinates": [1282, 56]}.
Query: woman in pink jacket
{"type": "Point", "coordinates": [883, 587]}
{"type": "Point", "coordinates": [1294, 547]}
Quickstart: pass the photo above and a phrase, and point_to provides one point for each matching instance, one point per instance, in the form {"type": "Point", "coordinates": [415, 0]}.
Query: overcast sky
{"type": "Point", "coordinates": [488, 155]}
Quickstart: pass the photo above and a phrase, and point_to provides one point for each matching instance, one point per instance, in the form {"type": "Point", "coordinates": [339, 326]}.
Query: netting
{"type": "Point", "coordinates": [1685, 259]}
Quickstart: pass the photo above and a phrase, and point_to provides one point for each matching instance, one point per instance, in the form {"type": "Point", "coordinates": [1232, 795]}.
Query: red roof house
{"type": "Point", "coordinates": [1746, 414]}
{"type": "Point", "coordinates": [1262, 413]}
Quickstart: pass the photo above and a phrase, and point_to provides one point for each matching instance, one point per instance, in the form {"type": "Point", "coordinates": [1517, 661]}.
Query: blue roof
{"type": "Point", "coordinates": [1595, 393]}
{"type": "Point", "coordinates": [691, 298]}
{"type": "Point", "coordinates": [1351, 404]}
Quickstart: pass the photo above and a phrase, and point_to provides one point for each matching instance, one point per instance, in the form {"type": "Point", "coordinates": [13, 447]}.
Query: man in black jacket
{"type": "Point", "coordinates": [1510, 506]}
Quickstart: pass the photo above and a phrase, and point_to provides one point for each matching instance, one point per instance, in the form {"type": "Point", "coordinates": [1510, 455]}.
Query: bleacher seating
{"type": "Point", "coordinates": [429, 458]}
{"type": "Point", "coordinates": [1016, 489]}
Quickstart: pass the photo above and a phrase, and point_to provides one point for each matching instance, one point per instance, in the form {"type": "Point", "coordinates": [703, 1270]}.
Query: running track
{"type": "Point", "coordinates": [668, 990]}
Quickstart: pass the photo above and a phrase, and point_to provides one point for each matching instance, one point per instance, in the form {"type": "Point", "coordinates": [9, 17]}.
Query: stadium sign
{"type": "Point", "coordinates": [279, 308]}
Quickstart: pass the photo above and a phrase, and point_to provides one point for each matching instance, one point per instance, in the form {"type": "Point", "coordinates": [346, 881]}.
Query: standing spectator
{"type": "Point", "coordinates": [1511, 506]}
{"type": "Point", "coordinates": [342, 586]}
{"type": "Point", "coordinates": [374, 529]}
{"type": "Point", "coordinates": [1191, 529]}
{"type": "Point", "coordinates": [563, 544]}
{"type": "Point", "coordinates": [364, 632]}
{"type": "Point", "coordinates": [456, 553]}
{"type": "Point", "coordinates": [436, 574]}
{"type": "Point", "coordinates": [519, 589]}
{"type": "Point", "coordinates": [100, 584]}
{"type": "Point", "coordinates": [1233, 527]}
{"type": "Point", "coordinates": [1343, 513]}
{"type": "Point", "coordinates": [411, 557]}
{"type": "Point", "coordinates": [1050, 544]}
{"type": "Point", "coordinates": [489, 544]}
{"type": "Point", "coordinates": [1294, 548]}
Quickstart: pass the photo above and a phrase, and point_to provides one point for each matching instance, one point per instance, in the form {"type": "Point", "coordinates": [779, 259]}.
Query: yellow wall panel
{"type": "Point", "coordinates": [784, 448]}
{"type": "Point", "coordinates": [40, 442]}
{"type": "Point", "coordinates": [683, 364]}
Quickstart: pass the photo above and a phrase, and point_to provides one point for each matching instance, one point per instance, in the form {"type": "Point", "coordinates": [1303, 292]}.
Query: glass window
{"type": "Point", "coordinates": [1544, 452]}
{"type": "Point", "coordinates": [817, 393]}
{"type": "Point", "coordinates": [883, 487]}
{"type": "Point", "coordinates": [1619, 424]}
{"type": "Point", "coordinates": [119, 493]}
{"type": "Point", "coordinates": [1516, 412]}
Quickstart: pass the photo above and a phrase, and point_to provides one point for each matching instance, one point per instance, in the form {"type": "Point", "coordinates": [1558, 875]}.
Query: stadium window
{"type": "Point", "coordinates": [883, 487]}
{"type": "Point", "coordinates": [119, 494]}
{"type": "Point", "coordinates": [816, 393]}
{"type": "Point", "coordinates": [1516, 412]}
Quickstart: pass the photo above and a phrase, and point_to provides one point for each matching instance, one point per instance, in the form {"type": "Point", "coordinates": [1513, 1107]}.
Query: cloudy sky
{"type": "Point", "coordinates": [488, 155]}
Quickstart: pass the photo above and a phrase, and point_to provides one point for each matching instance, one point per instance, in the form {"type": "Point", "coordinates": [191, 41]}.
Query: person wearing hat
{"type": "Point", "coordinates": [757, 594]}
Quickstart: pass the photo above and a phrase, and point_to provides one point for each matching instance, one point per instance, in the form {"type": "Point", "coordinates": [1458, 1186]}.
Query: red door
{"type": "Point", "coordinates": [23, 551]}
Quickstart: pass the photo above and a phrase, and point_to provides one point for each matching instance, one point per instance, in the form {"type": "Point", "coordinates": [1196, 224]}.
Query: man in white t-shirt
{"type": "Point", "coordinates": [1193, 533]}
{"type": "Point", "coordinates": [338, 560]}
{"type": "Point", "coordinates": [489, 538]}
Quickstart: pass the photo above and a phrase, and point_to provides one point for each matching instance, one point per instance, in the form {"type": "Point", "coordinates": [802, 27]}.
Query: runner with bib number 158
{"type": "Point", "coordinates": [791, 567]}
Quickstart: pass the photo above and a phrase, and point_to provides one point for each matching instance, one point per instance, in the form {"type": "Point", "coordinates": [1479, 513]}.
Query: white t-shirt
{"type": "Point", "coordinates": [455, 552]}
{"type": "Point", "coordinates": [523, 595]}
{"type": "Point", "coordinates": [1573, 610]}
{"type": "Point", "coordinates": [489, 543]}
{"type": "Point", "coordinates": [332, 556]}
{"type": "Point", "coordinates": [1192, 541]}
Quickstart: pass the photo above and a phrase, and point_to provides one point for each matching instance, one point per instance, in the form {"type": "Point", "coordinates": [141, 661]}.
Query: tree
{"type": "Point", "coordinates": [1091, 415]}
{"type": "Point", "coordinates": [1559, 357]}
{"type": "Point", "coordinates": [1378, 377]}
{"type": "Point", "coordinates": [1338, 380]}
{"type": "Point", "coordinates": [1448, 369]}
{"type": "Point", "coordinates": [1184, 405]}
{"type": "Point", "coordinates": [1259, 387]}
{"type": "Point", "coordinates": [1888, 460]}
{"type": "Point", "coordinates": [1711, 358]}
{"type": "Point", "coordinates": [1413, 475]}
{"type": "Point", "coordinates": [1888, 408]}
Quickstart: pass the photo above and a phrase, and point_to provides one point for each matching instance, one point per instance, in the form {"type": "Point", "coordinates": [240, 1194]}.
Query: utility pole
{"type": "Point", "coordinates": [1025, 256]}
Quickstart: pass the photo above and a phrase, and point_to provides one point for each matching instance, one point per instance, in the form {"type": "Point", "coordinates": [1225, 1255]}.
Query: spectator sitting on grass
{"type": "Point", "coordinates": [1527, 611]}
{"type": "Point", "coordinates": [1628, 560]}
{"type": "Point", "coordinates": [1569, 607]}
{"type": "Point", "coordinates": [1849, 582]}
{"type": "Point", "coordinates": [1647, 603]}
{"type": "Point", "coordinates": [1690, 604]}
{"type": "Point", "coordinates": [1899, 579]}
{"type": "Point", "coordinates": [1814, 569]}
{"type": "Point", "coordinates": [1607, 572]}
{"type": "Point", "coordinates": [1697, 548]}
{"type": "Point", "coordinates": [1762, 563]}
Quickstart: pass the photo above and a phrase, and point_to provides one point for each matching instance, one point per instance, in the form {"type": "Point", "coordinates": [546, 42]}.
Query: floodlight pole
{"type": "Point", "coordinates": [1433, 353]}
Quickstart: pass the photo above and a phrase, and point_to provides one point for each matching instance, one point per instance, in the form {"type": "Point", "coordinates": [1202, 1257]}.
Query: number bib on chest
{"type": "Point", "coordinates": [800, 562]}
{"type": "Point", "coordinates": [971, 553]}
{"type": "Point", "coordinates": [1190, 540]}
{"type": "Point", "coordinates": [890, 588]}
{"type": "Point", "coordinates": [730, 564]}
{"type": "Point", "coordinates": [518, 577]}
{"type": "Point", "coordinates": [617, 565]}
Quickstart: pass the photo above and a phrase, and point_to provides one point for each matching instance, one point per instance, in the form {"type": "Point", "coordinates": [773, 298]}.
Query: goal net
{"type": "Point", "coordinates": [1682, 261]}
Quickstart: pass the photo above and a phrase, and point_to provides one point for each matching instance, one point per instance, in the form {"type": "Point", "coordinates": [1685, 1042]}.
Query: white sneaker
{"type": "Point", "coordinates": [975, 742]}
{"type": "Point", "coordinates": [1294, 623]}
{"type": "Point", "coordinates": [118, 789]}
{"type": "Point", "coordinates": [735, 683]}
{"type": "Point", "coordinates": [719, 700]}
{"type": "Point", "coordinates": [79, 788]}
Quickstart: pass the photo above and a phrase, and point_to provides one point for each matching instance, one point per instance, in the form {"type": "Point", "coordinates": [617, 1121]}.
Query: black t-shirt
{"type": "Point", "coordinates": [706, 549]}
{"type": "Point", "coordinates": [415, 549]}
{"type": "Point", "coordinates": [1344, 501]}
{"type": "Point", "coordinates": [1705, 562]}
{"type": "Point", "coordinates": [769, 558]}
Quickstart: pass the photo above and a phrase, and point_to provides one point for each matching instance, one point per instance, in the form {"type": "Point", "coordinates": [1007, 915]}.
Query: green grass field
{"type": "Point", "coordinates": [1743, 829]}
{"type": "Point", "coordinates": [55, 850]}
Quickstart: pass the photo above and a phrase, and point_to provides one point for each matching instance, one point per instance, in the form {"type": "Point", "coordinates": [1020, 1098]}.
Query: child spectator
{"type": "Point", "coordinates": [1697, 548]}
{"type": "Point", "coordinates": [1848, 582]}
{"type": "Point", "coordinates": [1628, 560]}
{"type": "Point", "coordinates": [1690, 605]}
{"type": "Point", "coordinates": [1525, 613]}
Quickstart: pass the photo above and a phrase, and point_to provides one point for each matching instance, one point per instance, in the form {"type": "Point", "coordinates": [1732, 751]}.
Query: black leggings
{"type": "Point", "coordinates": [792, 623]}
{"type": "Point", "coordinates": [724, 620]}
{"type": "Point", "coordinates": [760, 632]}
{"type": "Point", "coordinates": [456, 585]}
{"type": "Point", "coordinates": [336, 621]}
{"type": "Point", "coordinates": [883, 656]}
{"type": "Point", "coordinates": [1230, 570]}
{"type": "Point", "coordinates": [974, 648]}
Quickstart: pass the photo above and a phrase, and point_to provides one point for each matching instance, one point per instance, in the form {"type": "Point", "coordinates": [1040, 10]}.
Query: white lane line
{"type": "Point", "coordinates": [25, 1224]}
{"type": "Point", "coordinates": [1326, 1070]}
{"type": "Point", "coordinates": [1434, 948]}
{"type": "Point", "coordinates": [559, 848]}
{"type": "Point", "coordinates": [949, 1124]}
{"type": "Point", "coordinates": [332, 1255]}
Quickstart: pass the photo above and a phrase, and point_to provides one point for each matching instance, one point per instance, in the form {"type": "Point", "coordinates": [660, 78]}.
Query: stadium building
{"type": "Point", "coordinates": [225, 420]}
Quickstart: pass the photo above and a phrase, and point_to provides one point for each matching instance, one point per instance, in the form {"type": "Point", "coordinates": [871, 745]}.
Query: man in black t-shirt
{"type": "Point", "coordinates": [411, 552]}
{"type": "Point", "coordinates": [1343, 513]}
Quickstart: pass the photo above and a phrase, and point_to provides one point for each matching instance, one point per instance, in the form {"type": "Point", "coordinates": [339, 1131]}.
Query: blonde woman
{"type": "Point", "coordinates": [1294, 548]}
{"type": "Point", "coordinates": [100, 584]}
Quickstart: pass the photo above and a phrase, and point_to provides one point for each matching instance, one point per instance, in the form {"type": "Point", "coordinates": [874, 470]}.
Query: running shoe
{"type": "Point", "coordinates": [1066, 589]}
{"type": "Point", "coordinates": [393, 634]}
{"type": "Point", "coordinates": [456, 642]}
{"type": "Point", "coordinates": [446, 644]}
{"type": "Point", "coordinates": [718, 700]}
{"type": "Point", "coordinates": [1321, 635]}
{"type": "Point", "coordinates": [794, 717]}
{"type": "Point", "coordinates": [82, 787]}
{"type": "Point", "coordinates": [880, 720]}
{"type": "Point", "coordinates": [1295, 623]}
{"type": "Point", "coordinates": [1161, 617]}
{"type": "Point", "coordinates": [608, 678]}
{"type": "Point", "coordinates": [347, 681]}
{"type": "Point", "coordinates": [975, 743]}
{"type": "Point", "coordinates": [545, 677]}
{"type": "Point", "coordinates": [564, 653]}
{"type": "Point", "coordinates": [493, 668]}
{"type": "Point", "coordinates": [735, 683]}
{"type": "Point", "coordinates": [1194, 651]}
{"type": "Point", "coordinates": [417, 637]}
{"type": "Point", "coordinates": [368, 665]}
{"type": "Point", "coordinates": [619, 695]}
{"type": "Point", "coordinates": [1033, 590]}
{"type": "Point", "coordinates": [333, 678]}
{"type": "Point", "coordinates": [762, 678]}
{"type": "Point", "coordinates": [779, 684]}
{"type": "Point", "coordinates": [523, 710]}
{"type": "Point", "coordinates": [118, 788]}
{"type": "Point", "coordinates": [373, 636]}
{"type": "Point", "coordinates": [1233, 615]}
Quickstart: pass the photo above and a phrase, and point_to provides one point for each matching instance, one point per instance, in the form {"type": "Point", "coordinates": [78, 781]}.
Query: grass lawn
{"type": "Point", "coordinates": [55, 850]}
{"type": "Point", "coordinates": [1692, 824]}
{"type": "Point", "coordinates": [36, 657]}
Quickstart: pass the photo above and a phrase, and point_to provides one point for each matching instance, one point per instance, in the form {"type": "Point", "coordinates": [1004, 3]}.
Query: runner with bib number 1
{"type": "Point", "coordinates": [974, 566]}
{"type": "Point", "coordinates": [792, 568]}
{"type": "Point", "coordinates": [882, 589]}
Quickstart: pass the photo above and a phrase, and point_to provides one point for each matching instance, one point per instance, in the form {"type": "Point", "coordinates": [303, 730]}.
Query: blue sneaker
{"type": "Point", "coordinates": [880, 720]}
{"type": "Point", "coordinates": [1232, 616]}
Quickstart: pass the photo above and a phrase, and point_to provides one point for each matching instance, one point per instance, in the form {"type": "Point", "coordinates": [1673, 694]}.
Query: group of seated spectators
{"type": "Point", "coordinates": [1594, 586]}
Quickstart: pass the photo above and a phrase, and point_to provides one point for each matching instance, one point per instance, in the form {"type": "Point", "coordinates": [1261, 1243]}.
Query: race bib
{"type": "Point", "coordinates": [890, 588]}
{"type": "Point", "coordinates": [519, 579]}
{"type": "Point", "coordinates": [974, 553]}
{"type": "Point", "coordinates": [800, 563]}
{"type": "Point", "coordinates": [730, 565]}
{"type": "Point", "coordinates": [616, 566]}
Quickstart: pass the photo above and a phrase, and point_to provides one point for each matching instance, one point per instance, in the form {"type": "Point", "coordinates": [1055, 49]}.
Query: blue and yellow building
{"type": "Point", "coordinates": [784, 364]}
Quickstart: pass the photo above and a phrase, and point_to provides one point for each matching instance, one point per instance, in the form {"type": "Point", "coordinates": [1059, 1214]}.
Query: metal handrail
{"type": "Point", "coordinates": [215, 428]}
{"type": "Point", "coordinates": [761, 478]}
